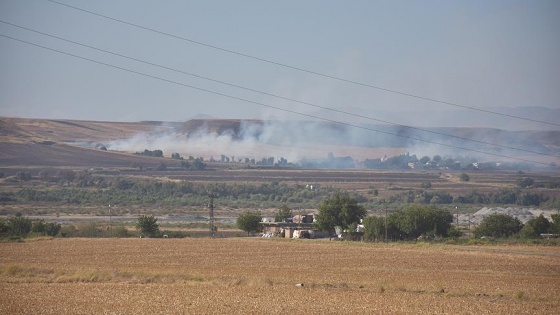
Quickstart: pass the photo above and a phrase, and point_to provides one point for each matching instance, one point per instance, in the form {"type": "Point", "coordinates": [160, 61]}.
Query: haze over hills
{"type": "Point", "coordinates": [44, 142]}
{"type": "Point", "coordinates": [428, 118]}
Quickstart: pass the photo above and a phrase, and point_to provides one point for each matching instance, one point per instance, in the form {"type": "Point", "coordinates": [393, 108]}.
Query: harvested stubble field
{"type": "Point", "coordinates": [259, 276]}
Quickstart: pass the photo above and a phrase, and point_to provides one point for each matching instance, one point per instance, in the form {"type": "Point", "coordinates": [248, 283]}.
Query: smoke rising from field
{"type": "Point", "coordinates": [299, 140]}
{"type": "Point", "coordinates": [245, 139]}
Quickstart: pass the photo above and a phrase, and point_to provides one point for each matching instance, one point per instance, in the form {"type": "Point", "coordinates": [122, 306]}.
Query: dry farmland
{"type": "Point", "coordinates": [259, 276]}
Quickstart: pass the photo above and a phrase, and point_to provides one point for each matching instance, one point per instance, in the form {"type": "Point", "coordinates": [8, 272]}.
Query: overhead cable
{"type": "Point", "coordinates": [267, 105]}
{"type": "Point", "coordinates": [303, 69]}
{"type": "Point", "coordinates": [276, 96]}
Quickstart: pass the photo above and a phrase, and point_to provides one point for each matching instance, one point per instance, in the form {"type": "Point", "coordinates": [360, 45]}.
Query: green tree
{"type": "Point", "coordinates": [283, 213]}
{"type": "Point", "coordinates": [374, 228]}
{"type": "Point", "coordinates": [340, 210]}
{"type": "Point", "coordinates": [249, 222]}
{"type": "Point", "coordinates": [147, 225]}
{"type": "Point", "coordinates": [19, 226]}
{"type": "Point", "coordinates": [498, 225]}
{"type": "Point", "coordinates": [535, 227]}
{"type": "Point", "coordinates": [419, 220]}
{"type": "Point", "coordinates": [464, 177]}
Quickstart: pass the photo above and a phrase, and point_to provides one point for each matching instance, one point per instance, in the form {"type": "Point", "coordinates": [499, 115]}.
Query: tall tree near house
{"type": "Point", "coordinates": [249, 222]}
{"type": "Point", "coordinates": [340, 210]}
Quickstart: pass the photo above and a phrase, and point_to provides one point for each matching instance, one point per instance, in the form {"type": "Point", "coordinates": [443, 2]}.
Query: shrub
{"type": "Point", "coordinates": [120, 231]}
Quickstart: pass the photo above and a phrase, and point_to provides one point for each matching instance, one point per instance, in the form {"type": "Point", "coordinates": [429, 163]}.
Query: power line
{"type": "Point", "coordinates": [274, 95]}
{"type": "Point", "coordinates": [267, 105]}
{"type": "Point", "coordinates": [302, 69]}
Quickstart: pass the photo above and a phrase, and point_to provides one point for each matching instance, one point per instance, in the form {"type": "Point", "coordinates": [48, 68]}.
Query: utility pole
{"type": "Point", "coordinates": [457, 208]}
{"type": "Point", "coordinates": [212, 227]}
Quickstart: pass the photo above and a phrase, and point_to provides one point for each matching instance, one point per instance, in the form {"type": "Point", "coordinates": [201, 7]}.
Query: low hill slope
{"type": "Point", "coordinates": [69, 143]}
{"type": "Point", "coordinates": [20, 155]}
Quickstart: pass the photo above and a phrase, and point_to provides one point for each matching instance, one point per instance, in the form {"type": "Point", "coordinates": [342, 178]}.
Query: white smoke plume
{"type": "Point", "coordinates": [297, 140]}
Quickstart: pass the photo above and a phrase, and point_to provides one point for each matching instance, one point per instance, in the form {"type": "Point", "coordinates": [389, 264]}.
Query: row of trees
{"type": "Point", "coordinates": [197, 163]}
{"type": "Point", "coordinates": [342, 211]}
{"type": "Point", "coordinates": [502, 196]}
{"type": "Point", "coordinates": [20, 226]}
{"type": "Point", "coordinates": [154, 153]}
{"type": "Point", "coordinates": [124, 191]}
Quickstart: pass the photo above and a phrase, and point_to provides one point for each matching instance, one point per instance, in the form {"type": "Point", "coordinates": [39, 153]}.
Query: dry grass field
{"type": "Point", "coordinates": [258, 276]}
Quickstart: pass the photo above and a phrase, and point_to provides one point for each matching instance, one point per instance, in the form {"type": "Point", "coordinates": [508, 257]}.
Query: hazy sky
{"type": "Point", "coordinates": [478, 53]}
